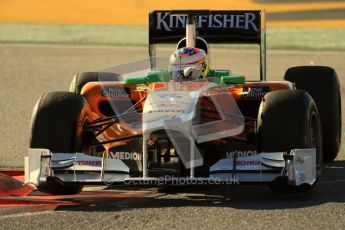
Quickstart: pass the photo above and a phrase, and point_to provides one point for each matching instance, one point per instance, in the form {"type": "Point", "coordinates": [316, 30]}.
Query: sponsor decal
{"type": "Point", "coordinates": [255, 91]}
{"type": "Point", "coordinates": [168, 106]}
{"type": "Point", "coordinates": [240, 154]}
{"type": "Point", "coordinates": [168, 117]}
{"type": "Point", "coordinates": [245, 21]}
{"type": "Point", "coordinates": [116, 92]}
{"type": "Point", "coordinates": [89, 163]}
{"type": "Point", "coordinates": [169, 95]}
{"type": "Point", "coordinates": [167, 111]}
{"type": "Point", "coordinates": [243, 163]}
{"type": "Point", "coordinates": [300, 161]}
{"type": "Point", "coordinates": [134, 156]}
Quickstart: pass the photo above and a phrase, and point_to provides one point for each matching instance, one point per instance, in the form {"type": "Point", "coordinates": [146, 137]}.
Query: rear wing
{"type": "Point", "coordinates": [221, 27]}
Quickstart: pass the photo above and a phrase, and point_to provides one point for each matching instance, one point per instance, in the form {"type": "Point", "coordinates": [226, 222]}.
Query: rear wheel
{"type": "Point", "coordinates": [81, 79]}
{"type": "Point", "coordinates": [54, 127]}
{"type": "Point", "coordinates": [289, 119]}
{"type": "Point", "coordinates": [322, 84]}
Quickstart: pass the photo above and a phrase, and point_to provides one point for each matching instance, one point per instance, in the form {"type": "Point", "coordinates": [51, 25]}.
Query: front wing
{"type": "Point", "coordinates": [298, 166]}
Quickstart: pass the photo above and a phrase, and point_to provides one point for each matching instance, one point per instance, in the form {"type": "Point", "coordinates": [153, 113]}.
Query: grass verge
{"type": "Point", "coordinates": [277, 38]}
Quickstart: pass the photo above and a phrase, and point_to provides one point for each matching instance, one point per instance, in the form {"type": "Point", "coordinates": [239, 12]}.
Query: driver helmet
{"type": "Point", "coordinates": [189, 60]}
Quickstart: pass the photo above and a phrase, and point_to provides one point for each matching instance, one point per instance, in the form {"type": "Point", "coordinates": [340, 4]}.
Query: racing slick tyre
{"type": "Point", "coordinates": [54, 127]}
{"type": "Point", "coordinates": [289, 119]}
{"type": "Point", "coordinates": [81, 79]}
{"type": "Point", "coordinates": [322, 84]}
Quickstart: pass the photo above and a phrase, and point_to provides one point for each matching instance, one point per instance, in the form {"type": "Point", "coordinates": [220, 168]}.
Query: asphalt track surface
{"type": "Point", "coordinates": [29, 70]}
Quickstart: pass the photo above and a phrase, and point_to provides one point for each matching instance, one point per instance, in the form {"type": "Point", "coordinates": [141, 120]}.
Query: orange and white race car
{"type": "Point", "coordinates": [177, 121]}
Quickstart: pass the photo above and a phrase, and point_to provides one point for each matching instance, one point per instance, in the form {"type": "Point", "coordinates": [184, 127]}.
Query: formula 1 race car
{"type": "Point", "coordinates": [167, 121]}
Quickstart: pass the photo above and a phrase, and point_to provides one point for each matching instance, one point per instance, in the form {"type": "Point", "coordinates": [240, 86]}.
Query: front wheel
{"type": "Point", "coordinates": [289, 119]}
{"type": "Point", "coordinates": [322, 83]}
{"type": "Point", "coordinates": [54, 127]}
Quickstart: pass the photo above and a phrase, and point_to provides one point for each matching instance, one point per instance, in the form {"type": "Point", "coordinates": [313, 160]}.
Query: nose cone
{"type": "Point", "coordinates": [169, 110]}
